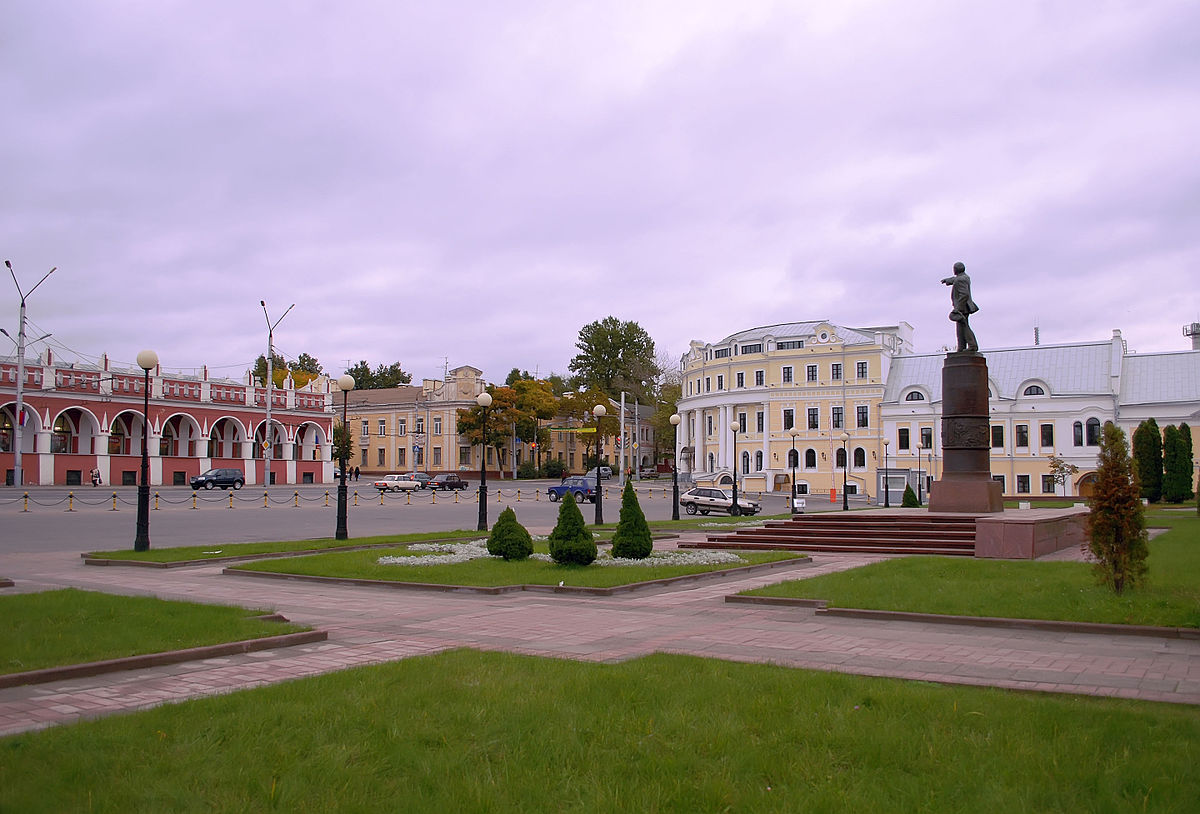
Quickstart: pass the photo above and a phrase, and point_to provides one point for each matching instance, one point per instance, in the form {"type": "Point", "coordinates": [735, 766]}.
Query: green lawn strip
{"type": "Point", "coordinates": [1064, 591]}
{"type": "Point", "coordinates": [57, 628]}
{"type": "Point", "coordinates": [489, 572]}
{"type": "Point", "coordinates": [470, 731]}
{"type": "Point", "coordinates": [219, 551]}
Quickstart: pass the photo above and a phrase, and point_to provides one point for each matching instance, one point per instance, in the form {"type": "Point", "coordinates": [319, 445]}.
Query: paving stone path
{"type": "Point", "coordinates": [369, 625]}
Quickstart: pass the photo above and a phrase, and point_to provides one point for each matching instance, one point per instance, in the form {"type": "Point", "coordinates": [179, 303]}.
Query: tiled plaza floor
{"type": "Point", "coordinates": [369, 625]}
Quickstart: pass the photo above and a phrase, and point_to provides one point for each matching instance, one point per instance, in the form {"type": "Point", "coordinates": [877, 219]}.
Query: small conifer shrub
{"type": "Point", "coordinates": [509, 539]}
{"type": "Point", "coordinates": [631, 540]}
{"type": "Point", "coordinates": [909, 501]}
{"type": "Point", "coordinates": [1116, 525]}
{"type": "Point", "coordinates": [571, 543]}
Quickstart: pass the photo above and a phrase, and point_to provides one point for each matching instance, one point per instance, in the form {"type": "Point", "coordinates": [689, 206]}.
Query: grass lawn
{"type": "Point", "coordinates": [487, 571]}
{"type": "Point", "coordinates": [201, 552]}
{"type": "Point", "coordinates": [466, 731]}
{"type": "Point", "coordinates": [1022, 589]}
{"type": "Point", "coordinates": [56, 628]}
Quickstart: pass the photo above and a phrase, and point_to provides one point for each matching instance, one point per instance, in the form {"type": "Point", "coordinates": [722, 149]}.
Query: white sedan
{"type": "Point", "coordinates": [704, 500]}
{"type": "Point", "coordinates": [397, 483]}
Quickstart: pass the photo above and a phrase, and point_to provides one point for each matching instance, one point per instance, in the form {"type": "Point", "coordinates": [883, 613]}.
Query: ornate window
{"type": "Point", "coordinates": [1034, 390]}
{"type": "Point", "coordinates": [915, 395]}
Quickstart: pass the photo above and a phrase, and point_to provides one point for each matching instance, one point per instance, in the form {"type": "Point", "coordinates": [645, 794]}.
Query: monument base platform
{"type": "Point", "coordinates": [973, 495]}
{"type": "Point", "coordinates": [1029, 533]}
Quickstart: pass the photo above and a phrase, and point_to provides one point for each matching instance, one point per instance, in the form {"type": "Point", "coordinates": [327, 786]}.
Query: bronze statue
{"type": "Point", "coordinates": [963, 307]}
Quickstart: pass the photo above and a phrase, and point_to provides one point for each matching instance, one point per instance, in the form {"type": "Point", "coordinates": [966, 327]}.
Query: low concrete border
{"type": "Point", "coordinates": [211, 651]}
{"type": "Point", "coordinates": [1051, 625]}
{"type": "Point", "coordinates": [493, 590]}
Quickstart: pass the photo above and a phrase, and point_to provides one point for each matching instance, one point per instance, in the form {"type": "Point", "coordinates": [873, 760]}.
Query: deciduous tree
{"type": "Point", "coordinates": [380, 377]}
{"type": "Point", "coordinates": [1062, 471]}
{"type": "Point", "coordinates": [1116, 525]}
{"type": "Point", "coordinates": [614, 356]}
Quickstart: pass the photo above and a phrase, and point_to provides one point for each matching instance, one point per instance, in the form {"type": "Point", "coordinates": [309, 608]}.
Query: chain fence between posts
{"type": "Point", "coordinates": [328, 498]}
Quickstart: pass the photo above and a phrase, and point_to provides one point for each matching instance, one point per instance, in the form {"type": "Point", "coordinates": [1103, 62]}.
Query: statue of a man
{"type": "Point", "coordinates": [963, 307]}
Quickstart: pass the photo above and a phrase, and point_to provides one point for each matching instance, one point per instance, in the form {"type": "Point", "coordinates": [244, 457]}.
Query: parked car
{"type": "Point", "coordinates": [447, 480]}
{"type": "Point", "coordinates": [397, 483]}
{"type": "Point", "coordinates": [704, 500]}
{"type": "Point", "coordinates": [224, 478]}
{"type": "Point", "coordinates": [422, 478]}
{"type": "Point", "coordinates": [649, 473]}
{"type": "Point", "coordinates": [605, 473]}
{"type": "Point", "coordinates": [577, 486]}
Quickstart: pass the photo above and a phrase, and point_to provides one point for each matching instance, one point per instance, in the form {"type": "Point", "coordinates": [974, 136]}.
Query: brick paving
{"type": "Point", "coordinates": [370, 625]}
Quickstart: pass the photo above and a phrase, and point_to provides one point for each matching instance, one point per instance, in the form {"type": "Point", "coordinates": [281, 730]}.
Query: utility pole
{"type": "Point", "coordinates": [19, 416]}
{"type": "Point", "coordinates": [621, 446]}
{"type": "Point", "coordinates": [268, 447]}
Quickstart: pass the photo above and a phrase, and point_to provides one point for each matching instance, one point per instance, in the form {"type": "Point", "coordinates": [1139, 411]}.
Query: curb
{"type": "Point", "coordinates": [93, 668]}
{"type": "Point", "coordinates": [493, 590]}
{"type": "Point", "coordinates": [1050, 625]}
{"type": "Point", "coordinates": [89, 559]}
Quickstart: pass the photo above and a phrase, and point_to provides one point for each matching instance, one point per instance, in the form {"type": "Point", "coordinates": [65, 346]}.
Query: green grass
{"type": "Point", "coordinates": [474, 732]}
{"type": "Point", "coordinates": [487, 571]}
{"type": "Point", "coordinates": [1023, 589]}
{"type": "Point", "coordinates": [206, 552]}
{"type": "Point", "coordinates": [56, 628]}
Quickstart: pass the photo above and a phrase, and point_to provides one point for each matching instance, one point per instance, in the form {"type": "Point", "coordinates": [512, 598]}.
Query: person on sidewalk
{"type": "Point", "coordinates": [95, 477]}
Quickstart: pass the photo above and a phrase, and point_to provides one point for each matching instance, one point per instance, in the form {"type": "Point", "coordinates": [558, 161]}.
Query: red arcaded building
{"type": "Point", "coordinates": [80, 417]}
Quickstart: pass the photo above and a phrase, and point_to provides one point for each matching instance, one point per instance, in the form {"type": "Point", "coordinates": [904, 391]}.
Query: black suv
{"type": "Point", "coordinates": [218, 477]}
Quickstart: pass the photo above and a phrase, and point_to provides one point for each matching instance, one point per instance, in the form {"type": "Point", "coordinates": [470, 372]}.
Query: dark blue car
{"type": "Point", "coordinates": [579, 487]}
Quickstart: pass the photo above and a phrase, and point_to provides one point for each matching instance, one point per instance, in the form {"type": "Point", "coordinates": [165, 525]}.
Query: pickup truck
{"type": "Point", "coordinates": [397, 483]}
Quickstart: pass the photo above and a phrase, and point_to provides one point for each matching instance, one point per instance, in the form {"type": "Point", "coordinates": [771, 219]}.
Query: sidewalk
{"type": "Point", "coordinates": [368, 625]}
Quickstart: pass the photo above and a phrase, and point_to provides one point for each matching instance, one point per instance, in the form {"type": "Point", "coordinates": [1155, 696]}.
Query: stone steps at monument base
{"type": "Point", "coordinates": [899, 533]}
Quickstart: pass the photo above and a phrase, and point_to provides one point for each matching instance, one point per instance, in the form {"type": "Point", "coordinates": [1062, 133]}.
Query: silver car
{"type": "Point", "coordinates": [704, 499]}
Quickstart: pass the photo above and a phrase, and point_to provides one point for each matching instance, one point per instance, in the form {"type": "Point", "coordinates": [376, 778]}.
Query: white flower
{"type": "Point", "coordinates": [446, 553]}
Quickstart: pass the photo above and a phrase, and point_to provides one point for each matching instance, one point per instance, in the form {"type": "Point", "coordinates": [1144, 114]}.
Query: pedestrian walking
{"type": "Point", "coordinates": [95, 476]}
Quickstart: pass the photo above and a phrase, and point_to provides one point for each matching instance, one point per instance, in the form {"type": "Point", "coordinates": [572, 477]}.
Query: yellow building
{"type": "Point", "coordinates": [415, 428]}
{"type": "Point", "coordinates": [796, 386]}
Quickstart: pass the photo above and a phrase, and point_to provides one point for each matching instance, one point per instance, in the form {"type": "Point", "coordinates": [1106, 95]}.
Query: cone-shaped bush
{"type": "Point", "coordinates": [909, 501]}
{"type": "Point", "coordinates": [509, 539]}
{"type": "Point", "coordinates": [570, 542]}
{"type": "Point", "coordinates": [1116, 525]}
{"type": "Point", "coordinates": [631, 540]}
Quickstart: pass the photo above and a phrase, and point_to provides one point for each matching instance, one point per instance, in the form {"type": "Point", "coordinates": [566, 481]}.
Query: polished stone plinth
{"type": "Point", "coordinates": [966, 484]}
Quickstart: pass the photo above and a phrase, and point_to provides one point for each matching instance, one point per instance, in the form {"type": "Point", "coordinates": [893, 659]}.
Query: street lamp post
{"type": "Point", "coordinates": [18, 476]}
{"type": "Point", "coordinates": [147, 360]}
{"type": "Point", "coordinates": [599, 411]}
{"type": "Point", "coordinates": [734, 509]}
{"type": "Point", "coordinates": [929, 469]}
{"type": "Point", "coordinates": [484, 400]}
{"type": "Point", "coordinates": [845, 468]}
{"type": "Point", "coordinates": [794, 460]}
{"type": "Point", "coordinates": [268, 446]}
{"type": "Point", "coordinates": [346, 384]}
{"type": "Point", "coordinates": [920, 474]}
{"type": "Point", "coordinates": [675, 419]}
{"type": "Point", "coordinates": [886, 490]}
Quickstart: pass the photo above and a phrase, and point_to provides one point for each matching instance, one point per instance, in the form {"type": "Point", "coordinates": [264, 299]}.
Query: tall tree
{"type": "Point", "coordinates": [307, 364]}
{"type": "Point", "coordinates": [1185, 432]}
{"type": "Point", "coordinates": [343, 440]}
{"type": "Point", "coordinates": [577, 409]}
{"type": "Point", "coordinates": [1116, 525]}
{"type": "Point", "coordinates": [1177, 467]}
{"type": "Point", "coordinates": [1148, 459]}
{"type": "Point", "coordinates": [279, 365]}
{"type": "Point", "coordinates": [500, 416]}
{"type": "Point", "coordinates": [664, 430]}
{"type": "Point", "coordinates": [614, 356]}
{"type": "Point", "coordinates": [366, 378]}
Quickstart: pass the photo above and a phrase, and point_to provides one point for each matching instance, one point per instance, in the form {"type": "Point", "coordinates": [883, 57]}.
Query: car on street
{"type": "Point", "coordinates": [577, 486]}
{"type": "Point", "coordinates": [397, 483]}
{"type": "Point", "coordinates": [422, 478]}
{"type": "Point", "coordinates": [705, 499]}
{"type": "Point", "coordinates": [447, 480]}
{"type": "Point", "coordinates": [605, 473]}
{"type": "Point", "coordinates": [225, 478]}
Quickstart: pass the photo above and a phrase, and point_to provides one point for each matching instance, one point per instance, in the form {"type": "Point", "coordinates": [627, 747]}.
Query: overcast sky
{"type": "Point", "coordinates": [475, 181]}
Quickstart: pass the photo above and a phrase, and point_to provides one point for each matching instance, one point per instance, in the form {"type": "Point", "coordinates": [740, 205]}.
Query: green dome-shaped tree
{"type": "Point", "coordinates": [631, 540]}
{"type": "Point", "coordinates": [570, 542]}
{"type": "Point", "coordinates": [909, 501]}
{"type": "Point", "coordinates": [509, 539]}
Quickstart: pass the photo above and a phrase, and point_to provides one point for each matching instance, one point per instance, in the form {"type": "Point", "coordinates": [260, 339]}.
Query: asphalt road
{"type": "Point", "coordinates": [87, 522]}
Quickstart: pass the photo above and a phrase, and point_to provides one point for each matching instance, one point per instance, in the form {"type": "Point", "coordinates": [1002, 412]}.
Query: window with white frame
{"type": "Point", "coordinates": [401, 426]}
{"type": "Point", "coordinates": [759, 377]}
{"type": "Point", "coordinates": [741, 379]}
{"type": "Point", "coordinates": [720, 382]}
{"type": "Point", "coordinates": [835, 371]}
{"type": "Point", "coordinates": [419, 425]}
{"type": "Point", "coordinates": [382, 426]}
{"type": "Point", "coordinates": [758, 461]}
{"type": "Point", "coordinates": [814, 418]}
{"type": "Point", "coordinates": [437, 425]}
{"type": "Point", "coordinates": [861, 369]}
{"type": "Point", "coordinates": [758, 421]}
{"type": "Point", "coordinates": [836, 418]}
{"type": "Point", "coordinates": [366, 427]}
{"type": "Point", "coordinates": [787, 374]}
{"type": "Point", "coordinates": [788, 418]}
{"type": "Point", "coordinates": [862, 415]}
{"type": "Point", "coordinates": [810, 373]}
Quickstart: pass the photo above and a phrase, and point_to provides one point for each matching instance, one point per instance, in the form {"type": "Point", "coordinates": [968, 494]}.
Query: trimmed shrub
{"type": "Point", "coordinates": [527, 469]}
{"type": "Point", "coordinates": [1148, 458]}
{"type": "Point", "coordinates": [509, 539]}
{"type": "Point", "coordinates": [554, 469]}
{"type": "Point", "coordinates": [909, 501]}
{"type": "Point", "coordinates": [631, 540]}
{"type": "Point", "coordinates": [1116, 525]}
{"type": "Point", "coordinates": [571, 543]}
